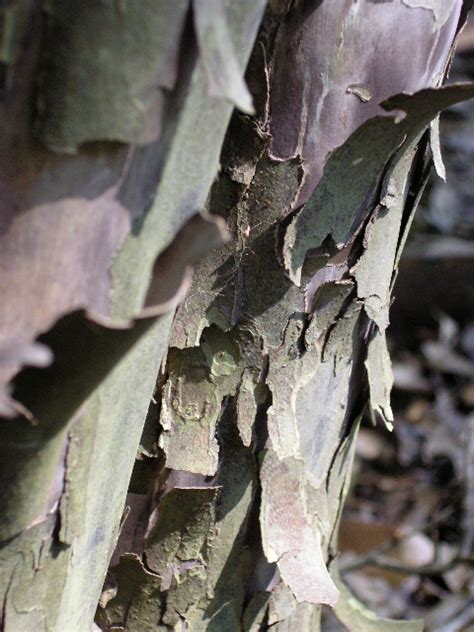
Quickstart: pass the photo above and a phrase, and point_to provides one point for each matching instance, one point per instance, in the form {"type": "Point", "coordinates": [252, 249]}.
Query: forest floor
{"type": "Point", "coordinates": [407, 535]}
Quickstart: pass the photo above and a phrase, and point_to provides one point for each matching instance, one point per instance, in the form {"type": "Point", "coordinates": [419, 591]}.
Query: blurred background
{"type": "Point", "coordinates": [408, 529]}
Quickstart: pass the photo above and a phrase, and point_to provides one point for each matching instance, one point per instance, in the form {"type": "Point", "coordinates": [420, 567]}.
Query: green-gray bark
{"type": "Point", "coordinates": [52, 572]}
{"type": "Point", "coordinates": [115, 114]}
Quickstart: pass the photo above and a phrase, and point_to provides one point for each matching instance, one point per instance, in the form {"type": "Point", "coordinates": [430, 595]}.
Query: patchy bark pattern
{"type": "Point", "coordinates": [282, 337]}
{"type": "Point", "coordinates": [73, 209]}
{"type": "Point", "coordinates": [104, 158]}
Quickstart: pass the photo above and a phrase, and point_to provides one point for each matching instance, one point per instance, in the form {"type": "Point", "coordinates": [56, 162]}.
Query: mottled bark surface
{"type": "Point", "coordinates": [281, 340]}
{"type": "Point", "coordinates": [110, 140]}
{"type": "Point", "coordinates": [113, 119]}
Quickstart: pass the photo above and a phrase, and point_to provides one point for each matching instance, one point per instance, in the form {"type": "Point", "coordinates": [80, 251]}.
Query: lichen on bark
{"type": "Point", "coordinates": [281, 341]}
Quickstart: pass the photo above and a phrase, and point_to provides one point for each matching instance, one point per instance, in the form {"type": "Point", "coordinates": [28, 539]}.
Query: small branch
{"type": "Point", "coordinates": [425, 570]}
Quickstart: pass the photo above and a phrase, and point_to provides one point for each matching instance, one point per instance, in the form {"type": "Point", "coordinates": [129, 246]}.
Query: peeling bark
{"type": "Point", "coordinates": [282, 336]}
{"type": "Point", "coordinates": [244, 462]}
{"type": "Point", "coordinates": [99, 111]}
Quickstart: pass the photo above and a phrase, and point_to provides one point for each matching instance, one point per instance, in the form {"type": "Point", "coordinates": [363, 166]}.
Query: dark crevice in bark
{"type": "Point", "coordinates": [348, 301]}
{"type": "Point", "coordinates": [420, 172]}
{"type": "Point", "coordinates": [264, 301]}
{"type": "Point", "coordinates": [358, 390]}
{"type": "Point", "coordinates": [281, 232]}
{"type": "Point", "coordinates": [260, 424]}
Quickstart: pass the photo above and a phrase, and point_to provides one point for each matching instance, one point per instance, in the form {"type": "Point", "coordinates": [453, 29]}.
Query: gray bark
{"type": "Point", "coordinates": [69, 218]}
{"type": "Point", "coordinates": [114, 116]}
{"type": "Point", "coordinates": [281, 340]}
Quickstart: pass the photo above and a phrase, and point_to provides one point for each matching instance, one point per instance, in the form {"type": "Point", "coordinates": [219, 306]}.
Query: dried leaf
{"type": "Point", "coordinates": [441, 358]}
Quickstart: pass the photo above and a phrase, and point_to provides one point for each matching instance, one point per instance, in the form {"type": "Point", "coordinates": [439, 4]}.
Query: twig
{"type": "Point", "coordinates": [425, 570]}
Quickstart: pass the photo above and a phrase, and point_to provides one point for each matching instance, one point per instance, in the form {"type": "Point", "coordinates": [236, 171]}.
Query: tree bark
{"type": "Point", "coordinates": [232, 510]}
{"type": "Point", "coordinates": [85, 212]}
{"type": "Point", "coordinates": [282, 338]}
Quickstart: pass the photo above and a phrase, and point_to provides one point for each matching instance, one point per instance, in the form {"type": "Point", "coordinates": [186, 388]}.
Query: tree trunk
{"type": "Point", "coordinates": [232, 509]}
{"type": "Point", "coordinates": [69, 203]}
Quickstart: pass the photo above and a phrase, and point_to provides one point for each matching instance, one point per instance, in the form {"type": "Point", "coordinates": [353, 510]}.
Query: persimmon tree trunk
{"type": "Point", "coordinates": [252, 381]}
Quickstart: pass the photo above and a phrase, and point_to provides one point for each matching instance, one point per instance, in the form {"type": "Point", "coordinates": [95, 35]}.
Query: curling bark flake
{"type": "Point", "coordinates": [242, 469]}
{"type": "Point", "coordinates": [318, 191]}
